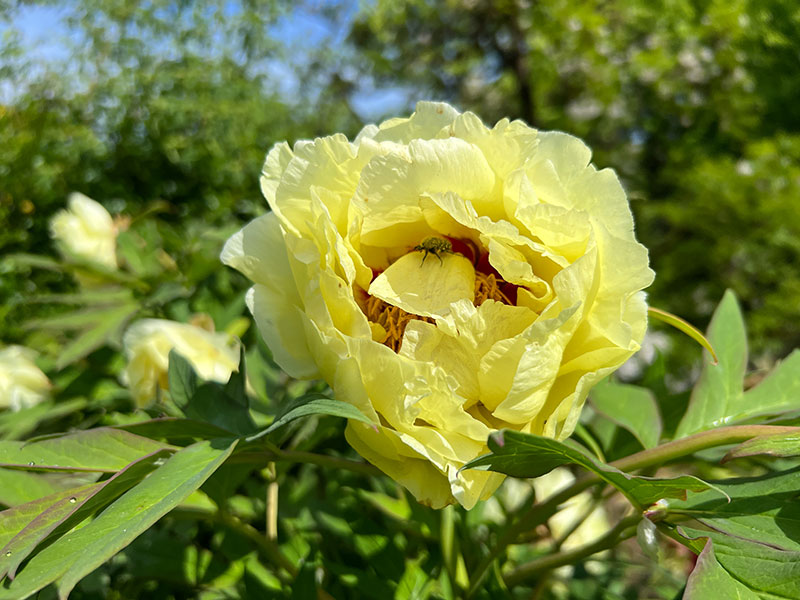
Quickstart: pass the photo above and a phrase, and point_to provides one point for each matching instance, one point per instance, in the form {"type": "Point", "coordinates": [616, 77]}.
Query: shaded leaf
{"type": "Point", "coordinates": [173, 428]}
{"type": "Point", "coordinates": [634, 408]}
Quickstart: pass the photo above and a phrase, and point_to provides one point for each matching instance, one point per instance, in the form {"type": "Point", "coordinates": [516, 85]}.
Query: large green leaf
{"type": "Point", "coordinates": [762, 509]}
{"type": "Point", "coordinates": [79, 552]}
{"type": "Point", "coordinates": [709, 579]}
{"type": "Point", "coordinates": [718, 396]}
{"type": "Point", "coordinates": [759, 570]}
{"type": "Point", "coordinates": [65, 509]}
{"type": "Point", "coordinates": [634, 408]}
{"type": "Point", "coordinates": [312, 404]}
{"type": "Point", "coordinates": [102, 449]}
{"type": "Point", "coordinates": [525, 455]}
{"type": "Point", "coordinates": [18, 487]}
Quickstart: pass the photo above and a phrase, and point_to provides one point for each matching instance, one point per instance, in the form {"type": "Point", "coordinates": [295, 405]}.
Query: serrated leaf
{"type": "Point", "coordinates": [525, 455]}
{"type": "Point", "coordinates": [778, 445]}
{"type": "Point", "coordinates": [312, 404]}
{"type": "Point", "coordinates": [634, 408]}
{"type": "Point", "coordinates": [717, 396]}
{"type": "Point", "coordinates": [79, 552]}
{"type": "Point", "coordinates": [101, 450]}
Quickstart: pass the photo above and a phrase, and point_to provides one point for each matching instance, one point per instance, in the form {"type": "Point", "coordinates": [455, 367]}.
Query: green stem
{"type": "Point", "coordinates": [540, 512]}
{"type": "Point", "coordinates": [553, 561]}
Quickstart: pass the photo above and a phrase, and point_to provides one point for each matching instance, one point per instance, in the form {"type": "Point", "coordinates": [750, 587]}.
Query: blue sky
{"type": "Point", "coordinates": [45, 34]}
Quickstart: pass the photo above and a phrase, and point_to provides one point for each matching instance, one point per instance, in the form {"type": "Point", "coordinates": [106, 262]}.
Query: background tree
{"type": "Point", "coordinates": [692, 102]}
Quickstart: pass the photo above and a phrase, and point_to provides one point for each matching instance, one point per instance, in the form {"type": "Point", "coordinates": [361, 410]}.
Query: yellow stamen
{"type": "Point", "coordinates": [392, 319]}
{"type": "Point", "coordinates": [487, 287]}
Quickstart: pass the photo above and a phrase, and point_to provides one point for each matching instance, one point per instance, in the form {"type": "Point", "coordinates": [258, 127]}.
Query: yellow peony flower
{"type": "Point", "coordinates": [147, 344]}
{"type": "Point", "coordinates": [447, 279]}
{"type": "Point", "coordinates": [86, 230]}
{"type": "Point", "coordinates": [22, 383]}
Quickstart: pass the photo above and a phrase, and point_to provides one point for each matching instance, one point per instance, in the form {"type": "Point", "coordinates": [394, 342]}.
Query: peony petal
{"type": "Point", "coordinates": [426, 286]}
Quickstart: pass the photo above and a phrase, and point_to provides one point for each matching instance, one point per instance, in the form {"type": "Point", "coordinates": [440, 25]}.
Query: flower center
{"type": "Point", "coordinates": [392, 319]}
{"type": "Point", "coordinates": [489, 285]}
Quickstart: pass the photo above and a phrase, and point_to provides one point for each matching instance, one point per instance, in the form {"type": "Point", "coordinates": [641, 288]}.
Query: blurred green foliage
{"type": "Point", "coordinates": [693, 102]}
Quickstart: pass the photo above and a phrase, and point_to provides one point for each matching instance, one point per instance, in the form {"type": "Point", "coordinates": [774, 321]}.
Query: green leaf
{"type": "Point", "coordinates": [79, 552]}
{"type": "Point", "coordinates": [225, 406]}
{"type": "Point", "coordinates": [105, 331]}
{"type": "Point", "coordinates": [100, 297]}
{"type": "Point", "coordinates": [311, 404]}
{"type": "Point", "coordinates": [182, 379]}
{"type": "Point", "coordinates": [718, 395]}
{"type": "Point", "coordinates": [761, 571]}
{"type": "Point", "coordinates": [69, 508]}
{"type": "Point", "coordinates": [102, 449]}
{"type": "Point", "coordinates": [19, 487]}
{"type": "Point", "coordinates": [172, 428]}
{"type": "Point", "coordinates": [778, 392]}
{"type": "Point", "coordinates": [525, 455]}
{"type": "Point", "coordinates": [710, 580]}
{"type": "Point", "coordinates": [80, 319]}
{"type": "Point", "coordinates": [17, 424]}
{"type": "Point", "coordinates": [24, 526]}
{"type": "Point", "coordinates": [762, 510]}
{"type": "Point", "coordinates": [634, 408]}
{"type": "Point", "coordinates": [682, 325]}
{"type": "Point", "coordinates": [779, 445]}
{"type": "Point", "coordinates": [15, 519]}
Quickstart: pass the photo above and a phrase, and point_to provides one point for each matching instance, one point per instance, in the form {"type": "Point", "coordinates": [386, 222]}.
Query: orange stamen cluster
{"type": "Point", "coordinates": [392, 319]}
